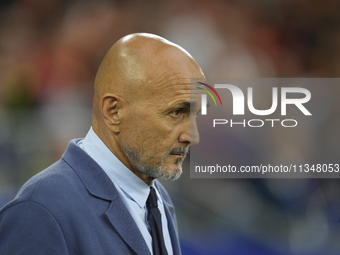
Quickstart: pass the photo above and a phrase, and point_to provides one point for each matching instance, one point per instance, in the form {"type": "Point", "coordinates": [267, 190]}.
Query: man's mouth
{"type": "Point", "coordinates": [179, 152]}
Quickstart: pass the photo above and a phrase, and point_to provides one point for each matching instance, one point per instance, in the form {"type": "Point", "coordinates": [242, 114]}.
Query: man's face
{"type": "Point", "coordinates": [159, 129]}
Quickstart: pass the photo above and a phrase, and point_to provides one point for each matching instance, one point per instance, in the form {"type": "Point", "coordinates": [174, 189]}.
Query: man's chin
{"type": "Point", "coordinates": [172, 176]}
{"type": "Point", "coordinates": [166, 171]}
{"type": "Point", "coordinates": [172, 172]}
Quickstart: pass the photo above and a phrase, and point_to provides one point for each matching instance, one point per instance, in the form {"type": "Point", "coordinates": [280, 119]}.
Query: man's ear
{"type": "Point", "coordinates": [110, 112]}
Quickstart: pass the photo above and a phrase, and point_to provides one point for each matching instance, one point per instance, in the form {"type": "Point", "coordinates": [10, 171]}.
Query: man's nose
{"type": "Point", "coordinates": [190, 133]}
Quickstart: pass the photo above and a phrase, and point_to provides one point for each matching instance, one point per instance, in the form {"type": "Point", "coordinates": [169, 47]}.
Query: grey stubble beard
{"type": "Point", "coordinates": [158, 170]}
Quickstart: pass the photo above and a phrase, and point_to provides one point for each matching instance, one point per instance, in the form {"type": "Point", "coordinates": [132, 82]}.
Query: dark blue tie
{"type": "Point", "coordinates": [155, 223]}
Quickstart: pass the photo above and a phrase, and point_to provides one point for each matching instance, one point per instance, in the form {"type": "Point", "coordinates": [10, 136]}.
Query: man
{"type": "Point", "coordinates": [97, 198]}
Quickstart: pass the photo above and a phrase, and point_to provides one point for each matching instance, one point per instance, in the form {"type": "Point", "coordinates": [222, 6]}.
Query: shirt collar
{"type": "Point", "coordinates": [132, 186]}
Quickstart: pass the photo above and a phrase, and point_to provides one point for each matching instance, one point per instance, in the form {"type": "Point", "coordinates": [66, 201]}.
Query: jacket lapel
{"type": "Point", "coordinates": [172, 222]}
{"type": "Point", "coordinates": [99, 185]}
{"type": "Point", "coordinates": [123, 222]}
{"type": "Point", "coordinates": [172, 226]}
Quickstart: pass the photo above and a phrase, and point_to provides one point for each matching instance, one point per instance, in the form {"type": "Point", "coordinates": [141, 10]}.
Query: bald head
{"type": "Point", "coordinates": [136, 61]}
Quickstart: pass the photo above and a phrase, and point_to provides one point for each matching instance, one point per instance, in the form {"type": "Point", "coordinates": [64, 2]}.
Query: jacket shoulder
{"type": "Point", "coordinates": [51, 184]}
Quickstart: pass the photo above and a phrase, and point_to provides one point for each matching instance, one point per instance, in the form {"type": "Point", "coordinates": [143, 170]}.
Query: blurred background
{"type": "Point", "coordinates": [50, 51]}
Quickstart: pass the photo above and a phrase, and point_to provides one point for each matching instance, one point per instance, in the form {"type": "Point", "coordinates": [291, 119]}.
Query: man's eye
{"type": "Point", "coordinates": [176, 112]}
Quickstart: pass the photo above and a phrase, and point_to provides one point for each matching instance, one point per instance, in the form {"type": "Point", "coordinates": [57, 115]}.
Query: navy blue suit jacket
{"type": "Point", "coordinates": [72, 207]}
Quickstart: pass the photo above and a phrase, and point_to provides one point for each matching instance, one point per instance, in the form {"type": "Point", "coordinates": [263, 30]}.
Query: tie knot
{"type": "Point", "coordinates": [152, 199]}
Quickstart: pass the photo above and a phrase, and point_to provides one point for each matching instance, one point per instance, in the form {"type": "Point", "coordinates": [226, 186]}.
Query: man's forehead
{"type": "Point", "coordinates": [182, 89]}
{"type": "Point", "coordinates": [185, 95]}
{"type": "Point", "coordinates": [171, 87]}
{"type": "Point", "coordinates": [176, 83]}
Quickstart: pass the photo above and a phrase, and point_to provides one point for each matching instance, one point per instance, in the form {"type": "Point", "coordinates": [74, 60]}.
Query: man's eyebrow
{"type": "Point", "coordinates": [187, 104]}
{"type": "Point", "coordinates": [190, 104]}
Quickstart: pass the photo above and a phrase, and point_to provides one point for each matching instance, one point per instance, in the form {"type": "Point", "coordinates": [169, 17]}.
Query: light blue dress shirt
{"type": "Point", "coordinates": [133, 191]}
